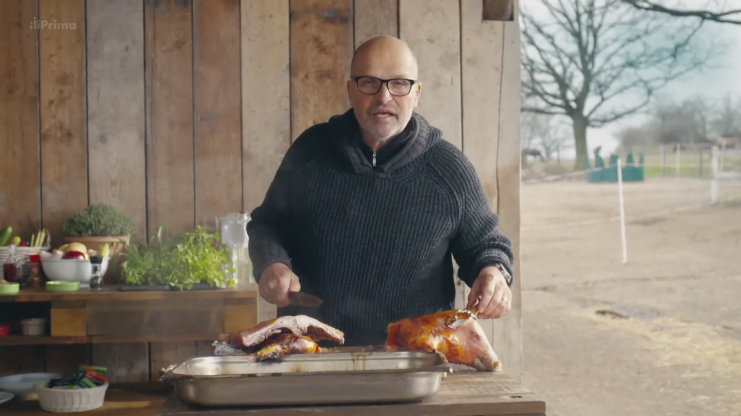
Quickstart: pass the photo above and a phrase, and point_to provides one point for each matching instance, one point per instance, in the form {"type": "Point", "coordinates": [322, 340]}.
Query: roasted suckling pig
{"type": "Point", "coordinates": [273, 339]}
{"type": "Point", "coordinates": [456, 334]}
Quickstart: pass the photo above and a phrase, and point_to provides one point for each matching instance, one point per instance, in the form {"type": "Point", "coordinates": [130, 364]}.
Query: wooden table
{"type": "Point", "coordinates": [122, 400]}
{"type": "Point", "coordinates": [461, 393]}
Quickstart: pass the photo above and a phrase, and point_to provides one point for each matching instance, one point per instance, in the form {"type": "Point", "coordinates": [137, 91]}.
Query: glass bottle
{"type": "Point", "coordinates": [35, 279]}
{"type": "Point", "coordinates": [10, 268]}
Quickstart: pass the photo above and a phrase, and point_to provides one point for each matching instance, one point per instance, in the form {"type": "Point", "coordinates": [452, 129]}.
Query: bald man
{"type": "Point", "coordinates": [368, 210]}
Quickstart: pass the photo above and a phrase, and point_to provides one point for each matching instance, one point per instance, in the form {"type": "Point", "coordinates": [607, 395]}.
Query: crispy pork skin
{"type": "Point", "coordinates": [454, 333]}
{"type": "Point", "coordinates": [298, 324]}
{"type": "Point", "coordinates": [279, 345]}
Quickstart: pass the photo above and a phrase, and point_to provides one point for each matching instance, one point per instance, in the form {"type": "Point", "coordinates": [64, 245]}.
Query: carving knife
{"type": "Point", "coordinates": [304, 299]}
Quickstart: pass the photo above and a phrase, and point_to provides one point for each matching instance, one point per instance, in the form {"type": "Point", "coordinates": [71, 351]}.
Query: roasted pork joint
{"type": "Point", "coordinates": [273, 339]}
{"type": "Point", "coordinates": [298, 324]}
{"type": "Point", "coordinates": [280, 345]}
{"type": "Point", "coordinates": [456, 334]}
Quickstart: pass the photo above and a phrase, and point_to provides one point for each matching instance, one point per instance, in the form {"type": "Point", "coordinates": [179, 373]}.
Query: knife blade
{"type": "Point", "coordinates": [304, 299]}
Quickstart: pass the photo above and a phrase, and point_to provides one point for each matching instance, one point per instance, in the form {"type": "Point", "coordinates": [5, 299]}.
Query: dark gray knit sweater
{"type": "Point", "coordinates": [375, 242]}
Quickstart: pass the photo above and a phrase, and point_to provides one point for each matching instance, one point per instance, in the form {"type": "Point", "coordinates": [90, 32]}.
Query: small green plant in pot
{"type": "Point", "coordinates": [97, 225]}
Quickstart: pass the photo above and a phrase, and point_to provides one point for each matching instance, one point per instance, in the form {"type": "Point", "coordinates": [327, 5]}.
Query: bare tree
{"type": "Point", "coordinates": [542, 133]}
{"type": "Point", "coordinates": [586, 59]}
{"type": "Point", "coordinates": [727, 122]}
{"type": "Point", "coordinates": [694, 121]}
{"type": "Point", "coordinates": [726, 16]}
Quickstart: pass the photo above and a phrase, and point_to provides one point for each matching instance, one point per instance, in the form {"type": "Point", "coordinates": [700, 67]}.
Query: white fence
{"type": "Point", "coordinates": [720, 173]}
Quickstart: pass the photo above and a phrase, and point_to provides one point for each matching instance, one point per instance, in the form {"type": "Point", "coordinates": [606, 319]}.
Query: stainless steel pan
{"type": "Point", "coordinates": [324, 378]}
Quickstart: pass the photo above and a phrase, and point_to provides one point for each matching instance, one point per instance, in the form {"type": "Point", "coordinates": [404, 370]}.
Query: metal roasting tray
{"type": "Point", "coordinates": [323, 378]}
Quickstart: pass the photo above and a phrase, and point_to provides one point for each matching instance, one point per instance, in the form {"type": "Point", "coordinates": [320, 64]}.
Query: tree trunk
{"type": "Point", "coordinates": [580, 142]}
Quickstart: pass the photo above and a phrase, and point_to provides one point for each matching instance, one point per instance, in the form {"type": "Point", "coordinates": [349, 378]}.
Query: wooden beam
{"type": "Point", "coordinates": [500, 10]}
{"type": "Point", "coordinates": [266, 102]}
{"type": "Point", "coordinates": [64, 161]}
{"type": "Point", "coordinates": [20, 169]}
{"type": "Point", "coordinates": [321, 49]}
{"type": "Point", "coordinates": [169, 103]}
{"type": "Point", "coordinates": [217, 106]}
{"type": "Point", "coordinates": [374, 18]}
{"type": "Point", "coordinates": [432, 30]}
{"type": "Point", "coordinates": [115, 94]}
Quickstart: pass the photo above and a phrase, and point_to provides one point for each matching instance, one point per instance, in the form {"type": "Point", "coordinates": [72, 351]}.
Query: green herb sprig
{"type": "Point", "coordinates": [181, 261]}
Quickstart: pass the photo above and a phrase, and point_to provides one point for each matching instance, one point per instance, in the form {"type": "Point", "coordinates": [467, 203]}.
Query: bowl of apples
{"type": "Point", "coordinates": [70, 263]}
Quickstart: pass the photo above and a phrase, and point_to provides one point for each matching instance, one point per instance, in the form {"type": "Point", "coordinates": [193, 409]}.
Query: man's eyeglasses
{"type": "Point", "coordinates": [396, 86]}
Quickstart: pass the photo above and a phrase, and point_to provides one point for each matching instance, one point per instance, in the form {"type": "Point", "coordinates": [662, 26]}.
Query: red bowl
{"type": "Point", "coordinates": [4, 330]}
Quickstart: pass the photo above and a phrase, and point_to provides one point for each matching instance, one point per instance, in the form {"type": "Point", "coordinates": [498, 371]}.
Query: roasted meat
{"type": "Point", "coordinates": [279, 345]}
{"type": "Point", "coordinates": [454, 333]}
{"type": "Point", "coordinates": [299, 325]}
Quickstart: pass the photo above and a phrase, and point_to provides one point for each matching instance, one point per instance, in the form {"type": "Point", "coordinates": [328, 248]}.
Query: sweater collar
{"type": "Point", "coordinates": [412, 142]}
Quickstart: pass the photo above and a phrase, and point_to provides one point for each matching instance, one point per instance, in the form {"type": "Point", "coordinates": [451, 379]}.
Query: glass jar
{"type": "Point", "coordinates": [10, 268]}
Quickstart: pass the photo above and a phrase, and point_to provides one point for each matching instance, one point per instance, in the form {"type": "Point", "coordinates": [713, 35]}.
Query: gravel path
{"type": "Point", "coordinates": [660, 335]}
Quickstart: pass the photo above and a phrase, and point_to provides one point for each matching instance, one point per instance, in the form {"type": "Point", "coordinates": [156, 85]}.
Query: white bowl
{"type": "Point", "coordinates": [33, 326]}
{"type": "Point", "coordinates": [19, 384]}
{"type": "Point", "coordinates": [71, 270]}
{"type": "Point", "coordinates": [70, 400]}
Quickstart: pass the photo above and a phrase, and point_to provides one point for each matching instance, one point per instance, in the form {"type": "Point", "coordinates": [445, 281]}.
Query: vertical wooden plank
{"type": "Point", "coordinates": [508, 332]}
{"type": "Point", "coordinates": [321, 49]}
{"type": "Point", "coordinates": [64, 159]}
{"type": "Point", "coordinates": [169, 103]}
{"type": "Point", "coordinates": [374, 18]}
{"type": "Point", "coordinates": [115, 94]}
{"type": "Point", "coordinates": [126, 363]}
{"type": "Point", "coordinates": [20, 194]}
{"type": "Point", "coordinates": [432, 31]}
{"type": "Point", "coordinates": [266, 113]}
{"type": "Point", "coordinates": [482, 52]}
{"type": "Point", "coordinates": [64, 359]}
{"type": "Point", "coordinates": [164, 354]}
{"type": "Point", "coordinates": [481, 77]}
{"type": "Point", "coordinates": [217, 94]}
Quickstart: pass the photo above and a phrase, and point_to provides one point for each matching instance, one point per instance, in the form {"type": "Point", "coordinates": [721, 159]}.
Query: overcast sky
{"type": "Point", "coordinates": [712, 83]}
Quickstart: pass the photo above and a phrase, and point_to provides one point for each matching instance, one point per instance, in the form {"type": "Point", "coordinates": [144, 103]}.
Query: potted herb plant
{"type": "Point", "coordinates": [97, 225]}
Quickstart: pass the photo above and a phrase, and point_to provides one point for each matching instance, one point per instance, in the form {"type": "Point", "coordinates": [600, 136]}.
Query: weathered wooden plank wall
{"type": "Point", "coordinates": [178, 111]}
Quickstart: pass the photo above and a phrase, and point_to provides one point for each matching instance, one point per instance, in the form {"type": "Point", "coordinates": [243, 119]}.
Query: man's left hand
{"type": "Point", "coordinates": [492, 293]}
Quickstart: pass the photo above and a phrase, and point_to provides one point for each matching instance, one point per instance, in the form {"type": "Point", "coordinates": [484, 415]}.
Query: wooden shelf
{"type": "Point", "coordinates": [19, 340]}
{"type": "Point", "coordinates": [113, 293]}
{"type": "Point", "coordinates": [114, 316]}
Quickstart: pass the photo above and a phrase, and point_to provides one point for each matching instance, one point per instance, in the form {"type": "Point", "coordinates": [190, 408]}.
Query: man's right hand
{"type": "Point", "coordinates": [275, 283]}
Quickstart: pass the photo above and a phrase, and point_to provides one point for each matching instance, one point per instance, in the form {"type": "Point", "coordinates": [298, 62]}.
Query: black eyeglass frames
{"type": "Point", "coordinates": [371, 85]}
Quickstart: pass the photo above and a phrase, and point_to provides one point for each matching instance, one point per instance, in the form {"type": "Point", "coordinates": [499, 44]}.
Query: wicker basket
{"type": "Point", "coordinates": [63, 400]}
{"type": "Point", "coordinates": [22, 258]}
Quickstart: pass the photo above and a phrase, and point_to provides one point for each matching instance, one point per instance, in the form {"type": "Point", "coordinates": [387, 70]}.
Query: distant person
{"type": "Point", "coordinates": [368, 210]}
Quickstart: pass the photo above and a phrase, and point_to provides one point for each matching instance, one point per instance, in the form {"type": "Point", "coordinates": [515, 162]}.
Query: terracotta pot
{"type": "Point", "coordinates": [116, 242]}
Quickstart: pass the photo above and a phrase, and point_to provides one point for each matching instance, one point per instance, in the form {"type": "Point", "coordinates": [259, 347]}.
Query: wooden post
{"type": "Point", "coordinates": [699, 164]}
{"type": "Point", "coordinates": [714, 180]}
{"type": "Point", "coordinates": [677, 155]}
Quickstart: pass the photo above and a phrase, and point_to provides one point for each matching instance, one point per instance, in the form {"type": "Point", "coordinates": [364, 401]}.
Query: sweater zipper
{"type": "Point", "coordinates": [374, 160]}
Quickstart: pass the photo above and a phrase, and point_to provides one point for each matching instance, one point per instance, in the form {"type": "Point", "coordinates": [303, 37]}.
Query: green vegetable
{"type": "Point", "coordinates": [98, 220]}
{"type": "Point", "coordinates": [5, 235]}
{"type": "Point", "coordinates": [181, 261]}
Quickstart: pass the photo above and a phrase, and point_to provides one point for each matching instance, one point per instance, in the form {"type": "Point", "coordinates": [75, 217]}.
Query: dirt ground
{"type": "Point", "coordinates": [659, 335]}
